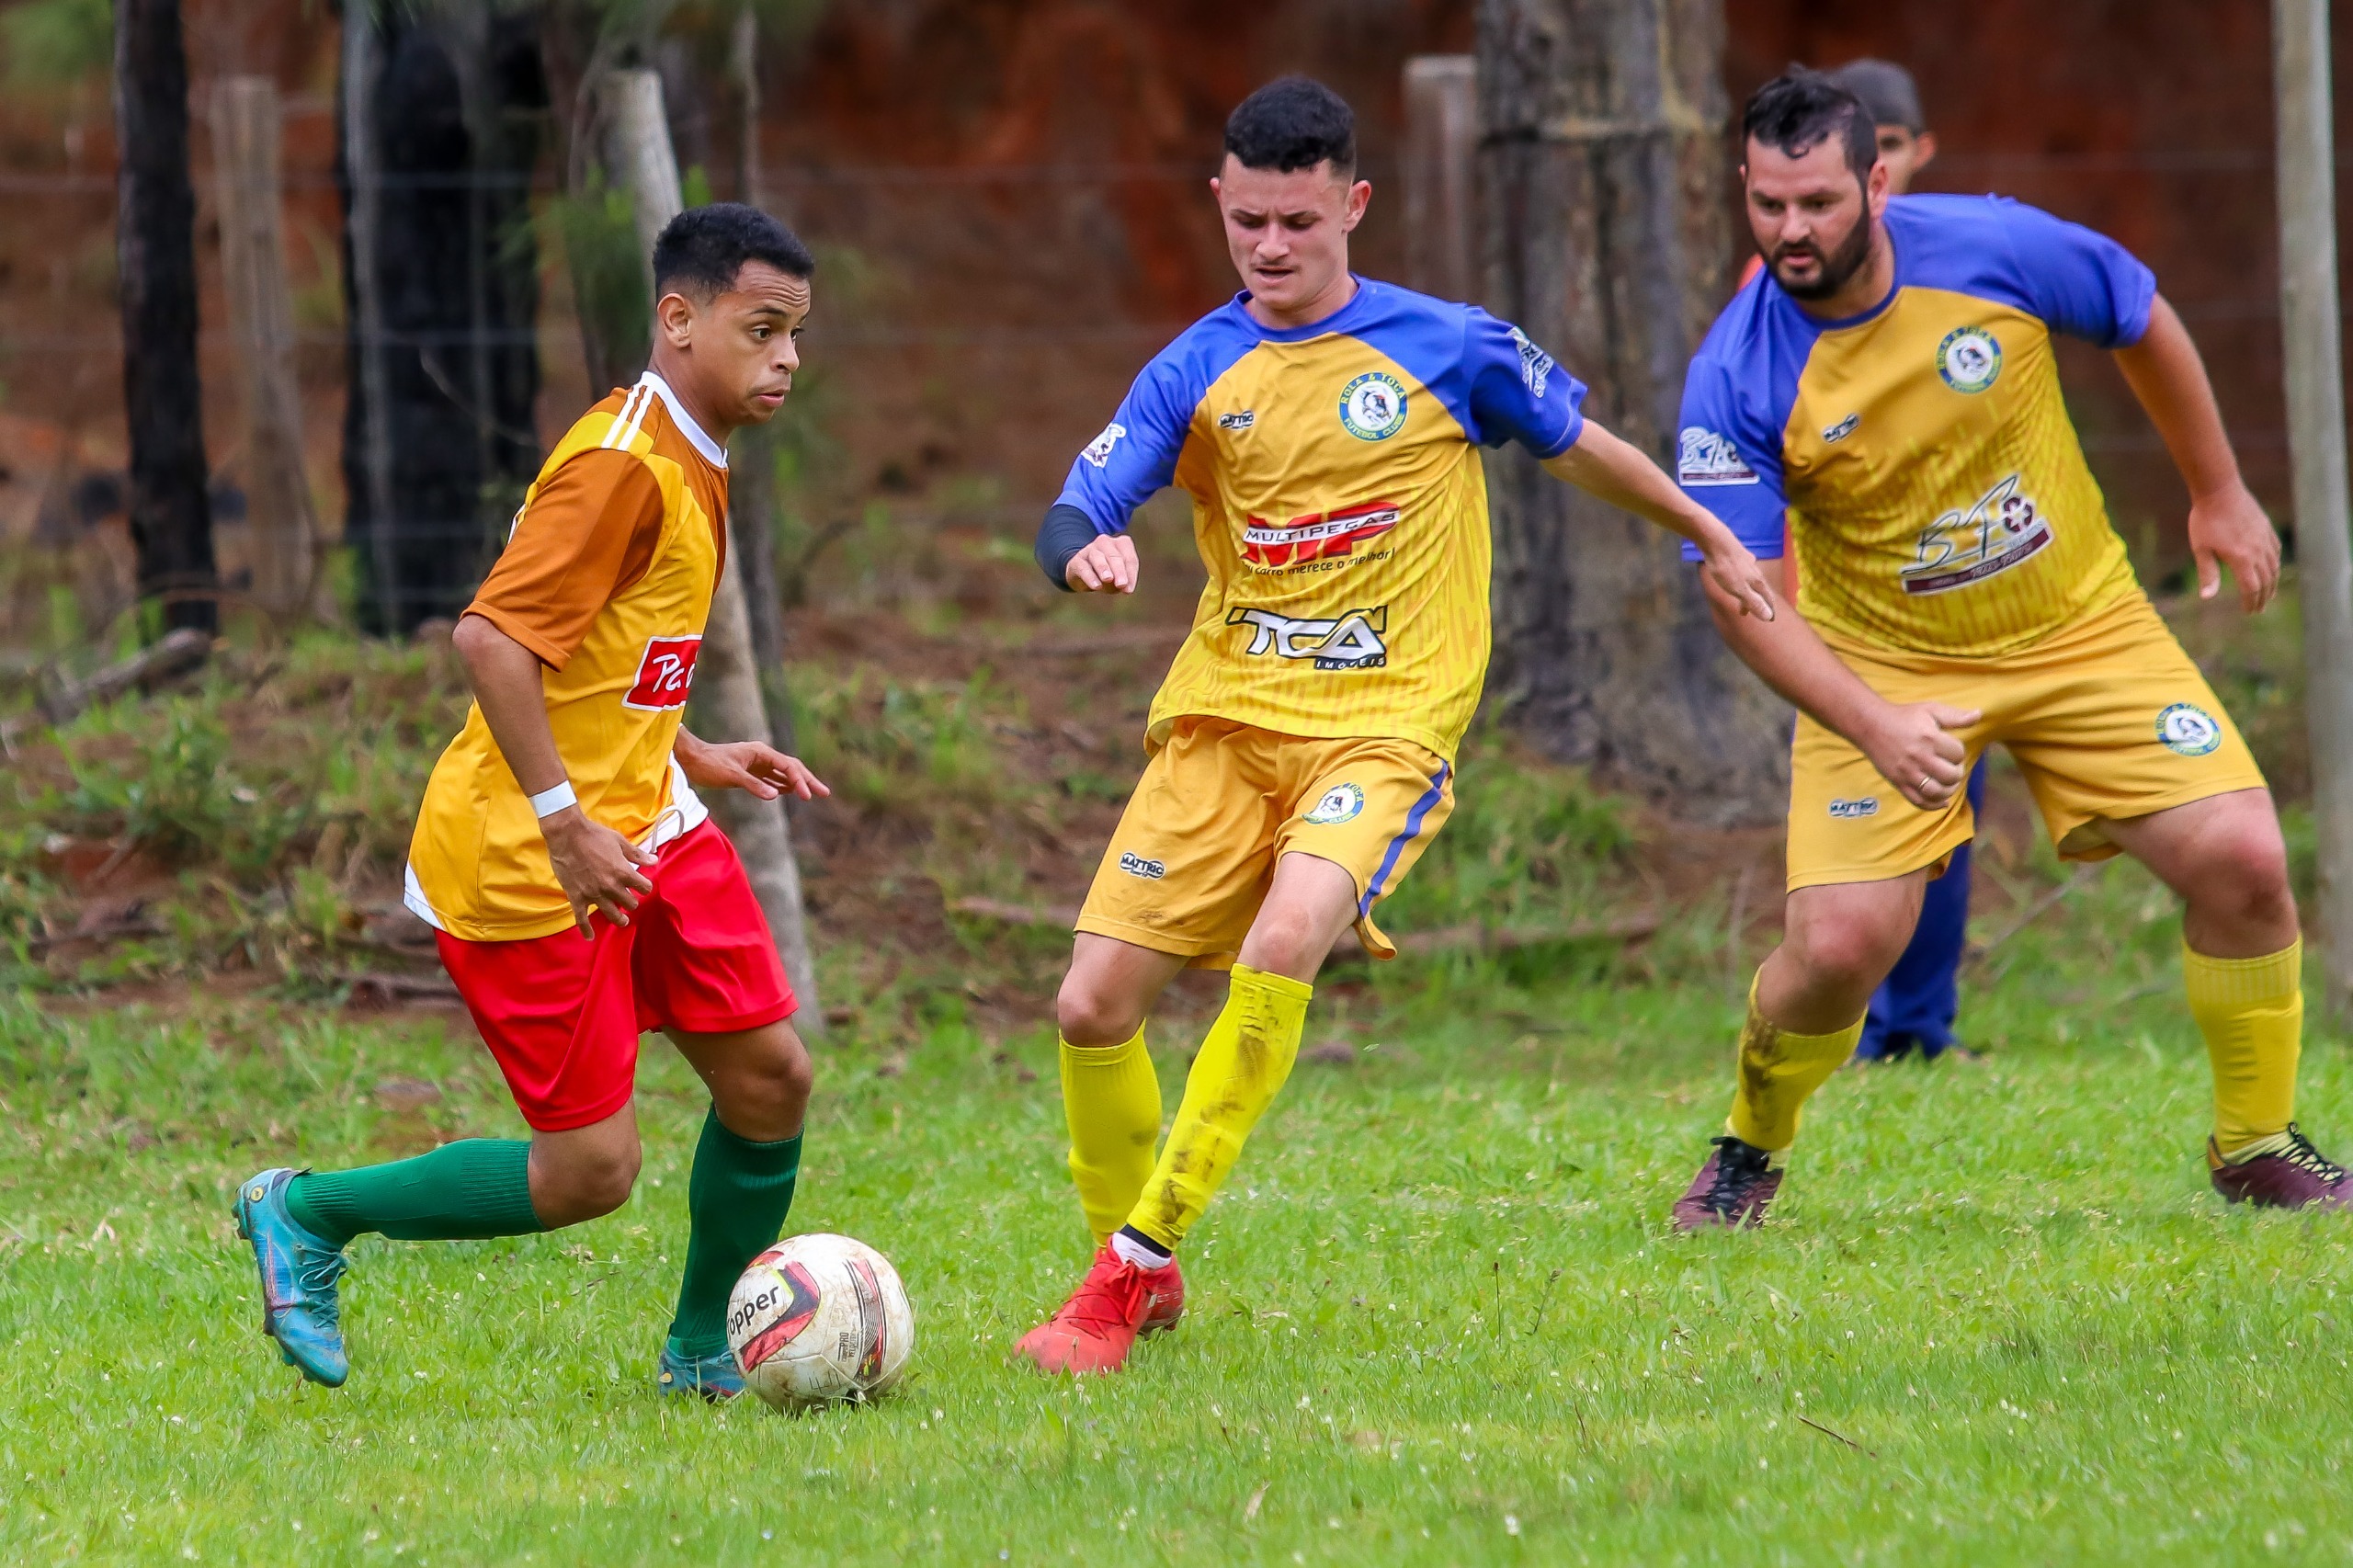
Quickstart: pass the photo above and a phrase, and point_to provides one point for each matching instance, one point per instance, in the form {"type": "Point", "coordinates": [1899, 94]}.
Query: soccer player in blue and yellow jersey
{"type": "Point", "coordinates": [1327, 429]}
{"type": "Point", "coordinates": [1889, 390]}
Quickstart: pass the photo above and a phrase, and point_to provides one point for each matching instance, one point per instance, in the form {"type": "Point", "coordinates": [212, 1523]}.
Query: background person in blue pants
{"type": "Point", "coordinates": [1913, 1011]}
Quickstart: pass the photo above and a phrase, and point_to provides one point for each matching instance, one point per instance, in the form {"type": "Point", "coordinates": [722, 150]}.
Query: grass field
{"type": "Point", "coordinates": [1436, 1320]}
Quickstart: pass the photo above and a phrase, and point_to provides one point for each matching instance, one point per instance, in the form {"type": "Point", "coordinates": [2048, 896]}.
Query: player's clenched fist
{"type": "Point", "coordinates": [1916, 749]}
{"type": "Point", "coordinates": [597, 867]}
{"type": "Point", "coordinates": [1106, 566]}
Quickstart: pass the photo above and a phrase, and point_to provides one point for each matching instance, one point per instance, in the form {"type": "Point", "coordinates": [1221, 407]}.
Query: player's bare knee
{"type": "Point", "coordinates": [762, 1095]}
{"type": "Point", "coordinates": [2240, 883]}
{"type": "Point", "coordinates": [1842, 956]}
{"type": "Point", "coordinates": [584, 1184]}
{"type": "Point", "coordinates": [1089, 1013]}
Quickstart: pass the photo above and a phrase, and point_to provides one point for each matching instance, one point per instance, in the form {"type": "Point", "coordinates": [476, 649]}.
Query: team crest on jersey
{"type": "Point", "coordinates": [1315, 536]}
{"type": "Point", "coordinates": [2188, 729]}
{"type": "Point", "coordinates": [666, 673]}
{"type": "Point", "coordinates": [1964, 547]}
{"type": "Point", "coordinates": [1704, 458]}
{"type": "Point", "coordinates": [1349, 642]}
{"type": "Point", "coordinates": [1969, 359]}
{"type": "Point", "coordinates": [1339, 803]}
{"type": "Point", "coordinates": [1098, 450]}
{"type": "Point", "coordinates": [1535, 365]}
{"type": "Point", "coordinates": [1372, 407]}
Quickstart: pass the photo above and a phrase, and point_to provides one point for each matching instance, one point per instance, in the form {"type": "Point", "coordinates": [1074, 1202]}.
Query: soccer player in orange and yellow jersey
{"type": "Point", "coordinates": [1327, 429]}
{"type": "Point", "coordinates": [578, 892]}
{"type": "Point", "coordinates": [1889, 391]}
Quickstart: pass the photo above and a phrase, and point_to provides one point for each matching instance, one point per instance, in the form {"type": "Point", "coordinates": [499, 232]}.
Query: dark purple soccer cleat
{"type": "Point", "coordinates": [2299, 1177]}
{"type": "Point", "coordinates": [1730, 1190]}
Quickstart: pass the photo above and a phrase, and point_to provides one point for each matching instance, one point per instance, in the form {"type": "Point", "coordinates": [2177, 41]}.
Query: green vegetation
{"type": "Point", "coordinates": [1436, 1320]}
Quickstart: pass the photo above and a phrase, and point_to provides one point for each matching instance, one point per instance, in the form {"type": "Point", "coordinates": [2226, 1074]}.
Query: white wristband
{"type": "Point", "coordinates": [547, 802]}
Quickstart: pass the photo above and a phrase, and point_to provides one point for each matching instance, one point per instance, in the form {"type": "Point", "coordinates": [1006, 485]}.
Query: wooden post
{"type": "Point", "coordinates": [1595, 245]}
{"type": "Point", "coordinates": [2310, 338]}
{"type": "Point", "coordinates": [363, 212]}
{"type": "Point", "coordinates": [261, 318]}
{"type": "Point", "coordinates": [171, 516]}
{"type": "Point", "coordinates": [1438, 172]}
{"type": "Point", "coordinates": [727, 683]}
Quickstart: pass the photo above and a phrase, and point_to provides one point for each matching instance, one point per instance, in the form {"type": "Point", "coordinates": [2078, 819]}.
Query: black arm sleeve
{"type": "Point", "coordinates": [1065, 532]}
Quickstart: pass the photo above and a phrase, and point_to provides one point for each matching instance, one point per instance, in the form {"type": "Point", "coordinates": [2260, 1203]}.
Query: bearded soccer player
{"type": "Point", "coordinates": [1892, 388]}
{"type": "Point", "coordinates": [1302, 747]}
{"type": "Point", "coordinates": [577, 890]}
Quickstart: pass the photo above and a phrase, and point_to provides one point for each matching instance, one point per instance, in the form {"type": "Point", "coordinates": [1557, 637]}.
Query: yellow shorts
{"type": "Point", "coordinates": [2107, 719]}
{"type": "Point", "coordinates": [1220, 802]}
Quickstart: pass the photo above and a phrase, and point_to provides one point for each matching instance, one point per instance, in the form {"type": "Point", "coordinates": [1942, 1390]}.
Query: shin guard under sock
{"type": "Point", "coordinates": [2252, 1013]}
{"type": "Point", "coordinates": [1777, 1071]}
{"type": "Point", "coordinates": [737, 1196]}
{"type": "Point", "coordinates": [467, 1190]}
{"type": "Point", "coordinates": [1111, 1101]}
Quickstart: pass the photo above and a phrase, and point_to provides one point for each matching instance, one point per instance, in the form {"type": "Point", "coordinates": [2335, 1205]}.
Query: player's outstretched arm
{"type": "Point", "coordinates": [1911, 744]}
{"type": "Point", "coordinates": [1623, 475]}
{"type": "Point", "coordinates": [2226, 523]}
{"type": "Point", "coordinates": [754, 766]}
{"type": "Point", "coordinates": [597, 867]}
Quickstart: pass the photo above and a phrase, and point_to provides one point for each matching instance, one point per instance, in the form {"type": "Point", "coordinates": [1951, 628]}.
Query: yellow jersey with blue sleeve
{"type": "Point", "coordinates": [1936, 494]}
{"type": "Point", "coordinates": [1339, 504]}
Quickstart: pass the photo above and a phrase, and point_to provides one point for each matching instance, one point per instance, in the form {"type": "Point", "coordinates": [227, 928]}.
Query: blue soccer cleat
{"type": "Point", "coordinates": [299, 1271]}
{"type": "Point", "coordinates": [716, 1378]}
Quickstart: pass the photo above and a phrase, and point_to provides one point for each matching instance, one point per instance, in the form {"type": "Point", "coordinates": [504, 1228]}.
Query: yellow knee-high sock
{"type": "Point", "coordinates": [1777, 1071]}
{"type": "Point", "coordinates": [2252, 1013]}
{"type": "Point", "coordinates": [1111, 1098]}
{"type": "Point", "coordinates": [1243, 1063]}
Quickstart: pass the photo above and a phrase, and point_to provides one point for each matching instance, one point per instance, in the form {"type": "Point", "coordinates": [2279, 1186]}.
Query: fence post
{"type": "Point", "coordinates": [1440, 163]}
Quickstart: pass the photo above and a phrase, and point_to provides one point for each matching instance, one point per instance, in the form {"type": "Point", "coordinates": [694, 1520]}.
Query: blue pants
{"type": "Point", "coordinates": [1915, 1005]}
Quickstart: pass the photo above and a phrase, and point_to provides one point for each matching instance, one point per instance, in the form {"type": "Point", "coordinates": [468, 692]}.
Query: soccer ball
{"type": "Point", "coordinates": [820, 1320]}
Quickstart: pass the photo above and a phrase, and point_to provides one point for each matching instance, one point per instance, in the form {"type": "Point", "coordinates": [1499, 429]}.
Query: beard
{"type": "Point", "coordinates": [1835, 268]}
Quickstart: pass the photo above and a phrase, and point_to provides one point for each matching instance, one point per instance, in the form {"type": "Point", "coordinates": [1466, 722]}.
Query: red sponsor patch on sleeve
{"type": "Point", "coordinates": [666, 673]}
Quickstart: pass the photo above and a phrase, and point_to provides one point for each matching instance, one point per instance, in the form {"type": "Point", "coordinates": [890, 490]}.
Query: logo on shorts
{"type": "Point", "coordinates": [1350, 642]}
{"type": "Point", "coordinates": [1340, 802]}
{"type": "Point", "coordinates": [1969, 359]}
{"type": "Point", "coordinates": [1136, 864]}
{"type": "Point", "coordinates": [1866, 807]}
{"type": "Point", "coordinates": [2188, 729]}
{"type": "Point", "coordinates": [665, 675]}
{"type": "Point", "coordinates": [1372, 407]}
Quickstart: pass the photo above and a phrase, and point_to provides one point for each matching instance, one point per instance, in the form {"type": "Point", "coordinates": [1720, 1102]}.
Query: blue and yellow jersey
{"type": "Point", "coordinates": [1935, 494]}
{"type": "Point", "coordinates": [1339, 504]}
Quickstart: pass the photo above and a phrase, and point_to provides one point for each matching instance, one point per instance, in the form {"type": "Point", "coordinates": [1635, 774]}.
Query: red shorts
{"type": "Point", "coordinates": [562, 1013]}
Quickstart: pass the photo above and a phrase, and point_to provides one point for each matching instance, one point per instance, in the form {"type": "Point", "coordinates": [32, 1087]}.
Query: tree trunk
{"type": "Point", "coordinates": [171, 518]}
{"type": "Point", "coordinates": [1605, 238]}
{"type": "Point", "coordinates": [261, 318]}
{"type": "Point", "coordinates": [439, 132]}
{"type": "Point", "coordinates": [2309, 333]}
{"type": "Point", "coordinates": [727, 682]}
{"type": "Point", "coordinates": [1440, 170]}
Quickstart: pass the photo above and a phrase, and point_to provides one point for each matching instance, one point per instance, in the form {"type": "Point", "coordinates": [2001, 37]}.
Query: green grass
{"type": "Point", "coordinates": [1434, 1319]}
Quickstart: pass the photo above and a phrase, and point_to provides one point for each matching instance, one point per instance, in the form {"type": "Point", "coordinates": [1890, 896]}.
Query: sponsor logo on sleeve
{"type": "Point", "coordinates": [1349, 642]}
{"type": "Point", "coordinates": [1098, 450]}
{"type": "Point", "coordinates": [1136, 864]}
{"type": "Point", "coordinates": [2188, 729]}
{"type": "Point", "coordinates": [1969, 359]}
{"type": "Point", "coordinates": [1967, 545]}
{"type": "Point", "coordinates": [1535, 365]}
{"type": "Point", "coordinates": [1241, 419]}
{"type": "Point", "coordinates": [1315, 536]}
{"type": "Point", "coordinates": [1704, 458]}
{"type": "Point", "coordinates": [666, 673]}
{"type": "Point", "coordinates": [1339, 803]}
{"type": "Point", "coordinates": [1372, 407]}
{"type": "Point", "coordinates": [1867, 806]}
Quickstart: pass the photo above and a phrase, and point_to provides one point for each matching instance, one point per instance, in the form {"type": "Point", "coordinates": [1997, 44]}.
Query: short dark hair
{"type": "Point", "coordinates": [1799, 109]}
{"type": "Point", "coordinates": [703, 248]}
{"type": "Point", "coordinates": [1293, 122]}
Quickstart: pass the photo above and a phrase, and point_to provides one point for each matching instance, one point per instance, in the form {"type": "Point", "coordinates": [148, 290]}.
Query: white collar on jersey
{"type": "Point", "coordinates": [712, 453]}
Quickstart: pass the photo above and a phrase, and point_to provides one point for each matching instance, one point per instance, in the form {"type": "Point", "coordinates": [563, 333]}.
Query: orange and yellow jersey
{"type": "Point", "coordinates": [1937, 497]}
{"type": "Point", "coordinates": [607, 577]}
{"type": "Point", "coordinates": [1338, 503]}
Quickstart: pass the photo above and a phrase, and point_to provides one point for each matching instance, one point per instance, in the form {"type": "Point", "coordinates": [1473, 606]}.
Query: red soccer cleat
{"type": "Point", "coordinates": [1097, 1326]}
{"type": "Point", "coordinates": [2299, 1177]}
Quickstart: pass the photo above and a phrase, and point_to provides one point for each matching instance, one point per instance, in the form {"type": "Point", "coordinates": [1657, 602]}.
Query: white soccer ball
{"type": "Point", "coordinates": [820, 1320]}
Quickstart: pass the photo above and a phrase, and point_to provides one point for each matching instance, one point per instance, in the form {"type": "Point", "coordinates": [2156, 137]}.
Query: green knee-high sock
{"type": "Point", "coordinates": [461, 1191]}
{"type": "Point", "coordinates": [736, 1201]}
